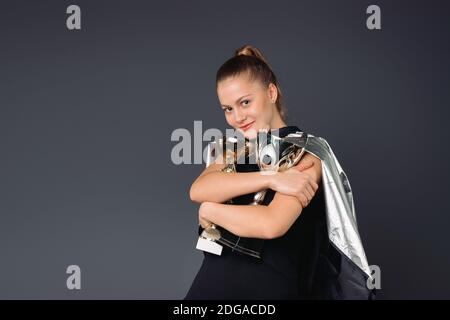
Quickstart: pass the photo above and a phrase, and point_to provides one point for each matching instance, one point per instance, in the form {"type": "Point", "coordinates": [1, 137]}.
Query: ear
{"type": "Point", "coordinates": [273, 92]}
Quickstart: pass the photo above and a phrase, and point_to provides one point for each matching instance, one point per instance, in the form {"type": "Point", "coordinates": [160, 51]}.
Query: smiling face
{"type": "Point", "coordinates": [248, 105]}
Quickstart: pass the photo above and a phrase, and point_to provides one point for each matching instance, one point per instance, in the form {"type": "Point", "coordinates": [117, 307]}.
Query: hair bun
{"type": "Point", "coordinates": [248, 50]}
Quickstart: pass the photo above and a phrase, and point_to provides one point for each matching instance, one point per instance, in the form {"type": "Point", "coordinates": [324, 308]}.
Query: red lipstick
{"type": "Point", "coordinates": [247, 126]}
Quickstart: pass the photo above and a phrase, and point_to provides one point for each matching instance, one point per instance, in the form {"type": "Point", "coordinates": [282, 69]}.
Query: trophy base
{"type": "Point", "coordinates": [209, 246]}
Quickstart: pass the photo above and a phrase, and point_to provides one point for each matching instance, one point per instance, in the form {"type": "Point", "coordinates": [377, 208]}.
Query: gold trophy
{"type": "Point", "coordinates": [207, 241]}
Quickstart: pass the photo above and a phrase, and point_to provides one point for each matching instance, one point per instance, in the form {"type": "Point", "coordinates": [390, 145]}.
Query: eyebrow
{"type": "Point", "coordinates": [224, 105]}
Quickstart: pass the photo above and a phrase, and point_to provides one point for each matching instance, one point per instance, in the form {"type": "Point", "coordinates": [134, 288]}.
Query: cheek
{"type": "Point", "coordinates": [230, 119]}
{"type": "Point", "coordinates": [258, 111]}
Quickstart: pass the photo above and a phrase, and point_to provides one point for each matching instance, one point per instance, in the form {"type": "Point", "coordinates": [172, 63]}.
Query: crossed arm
{"type": "Point", "coordinates": [255, 221]}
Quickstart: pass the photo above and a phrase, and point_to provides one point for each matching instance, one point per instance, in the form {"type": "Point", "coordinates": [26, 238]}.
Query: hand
{"type": "Point", "coordinates": [202, 213]}
{"type": "Point", "coordinates": [295, 183]}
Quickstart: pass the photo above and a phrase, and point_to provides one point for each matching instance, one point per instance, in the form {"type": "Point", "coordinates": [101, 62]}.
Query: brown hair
{"type": "Point", "coordinates": [248, 59]}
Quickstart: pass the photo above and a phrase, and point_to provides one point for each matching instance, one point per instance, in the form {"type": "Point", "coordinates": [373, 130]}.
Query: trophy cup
{"type": "Point", "coordinates": [265, 150]}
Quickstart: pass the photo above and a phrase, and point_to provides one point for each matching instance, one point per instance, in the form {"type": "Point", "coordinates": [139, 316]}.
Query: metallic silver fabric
{"type": "Point", "coordinates": [341, 217]}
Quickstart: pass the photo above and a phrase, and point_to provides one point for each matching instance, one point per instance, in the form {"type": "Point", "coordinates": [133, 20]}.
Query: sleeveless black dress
{"type": "Point", "coordinates": [287, 264]}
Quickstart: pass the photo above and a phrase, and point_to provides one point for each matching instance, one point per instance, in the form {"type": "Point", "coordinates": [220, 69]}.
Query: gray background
{"type": "Point", "coordinates": [86, 117]}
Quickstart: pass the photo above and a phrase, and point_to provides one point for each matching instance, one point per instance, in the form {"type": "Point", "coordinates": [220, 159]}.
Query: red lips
{"type": "Point", "coordinates": [247, 126]}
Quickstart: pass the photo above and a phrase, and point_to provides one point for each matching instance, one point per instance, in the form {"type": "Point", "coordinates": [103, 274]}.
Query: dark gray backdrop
{"type": "Point", "coordinates": [86, 117]}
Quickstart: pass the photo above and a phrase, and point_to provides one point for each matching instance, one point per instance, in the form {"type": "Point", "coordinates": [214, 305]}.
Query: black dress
{"type": "Point", "coordinates": [287, 264]}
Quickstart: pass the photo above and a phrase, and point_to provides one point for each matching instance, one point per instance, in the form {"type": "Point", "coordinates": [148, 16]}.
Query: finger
{"type": "Point", "coordinates": [303, 200]}
{"type": "Point", "coordinates": [313, 183]}
{"type": "Point", "coordinates": [311, 192]}
{"type": "Point", "coordinates": [306, 204]}
{"type": "Point", "coordinates": [315, 186]}
{"type": "Point", "coordinates": [305, 165]}
{"type": "Point", "coordinates": [308, 200]}
{"type": "Point", "coordinates": [308, 194]}
{"type": "Point", "coordinates": [205, 224]}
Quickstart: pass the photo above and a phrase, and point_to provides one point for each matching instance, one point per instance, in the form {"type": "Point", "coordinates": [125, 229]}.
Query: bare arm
{"type": "Point", "coordinates": [216, 186]}
{"type": "Point", "coordinates": [266, 222]}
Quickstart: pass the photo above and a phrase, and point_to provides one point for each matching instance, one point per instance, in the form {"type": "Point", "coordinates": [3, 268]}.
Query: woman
{"type": "Point", "coordinates": [288, 219]}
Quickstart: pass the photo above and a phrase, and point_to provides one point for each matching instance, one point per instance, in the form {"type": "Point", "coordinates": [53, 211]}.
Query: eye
{"type": "Point", "coordinates": [227, 109]}
{"type": "Point", "coordinates": [245, 102]}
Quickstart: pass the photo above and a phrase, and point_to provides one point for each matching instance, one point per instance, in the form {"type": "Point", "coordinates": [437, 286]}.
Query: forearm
{"type": "Point", "coordinates": [252, 221]}
{"type": "Point", "coordinates": [255, 221]}
{"type": "Point", "coordinates": [220, 186]}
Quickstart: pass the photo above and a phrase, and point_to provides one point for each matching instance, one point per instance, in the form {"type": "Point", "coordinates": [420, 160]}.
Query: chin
{"type": "Point", "coordinates": [250, 133]}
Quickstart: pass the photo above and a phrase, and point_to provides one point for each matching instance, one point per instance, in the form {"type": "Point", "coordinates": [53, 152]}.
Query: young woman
{"type": "Point", "coordinates": [289, 218]}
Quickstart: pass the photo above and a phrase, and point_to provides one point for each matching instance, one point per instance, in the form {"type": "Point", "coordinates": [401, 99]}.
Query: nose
{"type": "Point", "coordinates": [239, 115]}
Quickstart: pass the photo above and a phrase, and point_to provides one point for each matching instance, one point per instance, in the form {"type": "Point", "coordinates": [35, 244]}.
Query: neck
{"type": "Point", "coordinates": [277, 122]}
